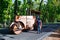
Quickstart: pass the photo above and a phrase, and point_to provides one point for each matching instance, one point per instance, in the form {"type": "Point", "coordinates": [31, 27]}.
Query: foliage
{"type": "Point", "coordinates": [50, 12]}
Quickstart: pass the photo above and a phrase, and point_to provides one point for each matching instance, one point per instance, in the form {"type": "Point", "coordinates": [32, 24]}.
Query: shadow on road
{"type": "Point", "coordinates": [4, 31]}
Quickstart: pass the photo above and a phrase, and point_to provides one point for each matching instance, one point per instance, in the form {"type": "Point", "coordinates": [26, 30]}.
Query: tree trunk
{"type": "Point", "coordinates": [4, 25]}
{"type": "Point", "coordinates": [15, 8]}
{"type": "Point", "coordinates": [40, 5]}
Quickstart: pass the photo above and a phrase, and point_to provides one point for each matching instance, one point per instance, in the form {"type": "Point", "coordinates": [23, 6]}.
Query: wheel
{"type": "Point", "coordinates": [17, 27]}
{"type": "Point", "coordinates": [14, 29]}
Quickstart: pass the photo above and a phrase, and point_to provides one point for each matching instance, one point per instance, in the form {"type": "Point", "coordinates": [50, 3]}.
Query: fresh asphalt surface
{"type": "Point", "coordinates": [31, 35]}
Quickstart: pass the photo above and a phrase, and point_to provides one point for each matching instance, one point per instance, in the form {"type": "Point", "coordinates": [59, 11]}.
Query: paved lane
{"type": "Point", "coordinates": [31, 35]}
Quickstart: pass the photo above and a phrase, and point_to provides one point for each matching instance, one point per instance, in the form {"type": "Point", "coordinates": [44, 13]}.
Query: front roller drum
{"type": "Point", "coordinates": [14, 29]}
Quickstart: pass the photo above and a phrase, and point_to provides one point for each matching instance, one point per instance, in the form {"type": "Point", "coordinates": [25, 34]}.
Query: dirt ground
{"type": "Point", "coordinates": [54, 36]}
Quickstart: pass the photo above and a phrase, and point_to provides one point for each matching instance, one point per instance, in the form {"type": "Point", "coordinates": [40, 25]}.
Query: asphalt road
{"type": "Point", "coordinates": [31, 35]}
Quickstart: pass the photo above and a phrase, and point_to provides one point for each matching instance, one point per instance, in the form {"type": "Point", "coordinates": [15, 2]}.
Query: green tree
{"type": "Point", "coordinates": [4, 7]}
{"type": "Point", "coordinates": [50, 10]}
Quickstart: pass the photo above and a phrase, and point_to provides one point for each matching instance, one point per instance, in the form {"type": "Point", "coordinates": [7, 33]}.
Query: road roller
{"type": "Point", "coordinates": [26, 23]}
{"type": "Point", "coordinates": [22, 23]}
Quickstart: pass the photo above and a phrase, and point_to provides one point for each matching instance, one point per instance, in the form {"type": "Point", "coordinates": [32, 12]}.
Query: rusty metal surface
{"type": "Point", "coordinates": [26, 20]}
